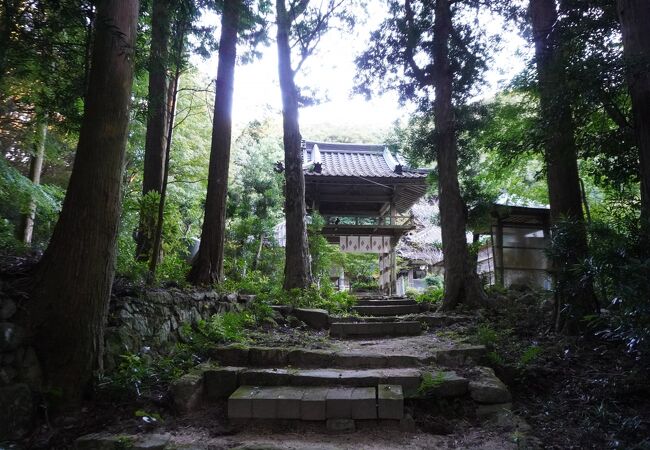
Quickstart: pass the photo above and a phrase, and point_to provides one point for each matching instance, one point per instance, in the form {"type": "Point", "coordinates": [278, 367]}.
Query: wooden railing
{"type": "Point", "coordinates": [399, 220]}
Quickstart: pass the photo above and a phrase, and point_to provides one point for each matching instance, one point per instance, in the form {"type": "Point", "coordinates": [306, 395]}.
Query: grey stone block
{"type": "Point", "coordinates": [364, 403]}
{"type": "Point", "coordinates": [387, 310]}
{"type": "Point", "coordinates": [265, 377]}
{"type": "Point", "coordinates": [390, 401]}
{"type": "Point", "coordinates": [268, 357]}
{"type": "Point", "coordinates": [315, 318]}
{"type": "Point", "coordinates": [488, 388]}
{"type": "Point", "coordinates": [220, 382]}
{"type": "Point", "coordinates": [311, 358]}
{"type": "Point", "coordinates": [186, 392]}
{"type": "Point", "coordinates": [265, 404]}
{"type": "Point", "coordinates": [231, 355]}
{"type": "Point", "coordinates": [240, 403]}
{"type": "Point", "coordinates": [339, 405]}
{"type": "Point", "coordinates": [289, 401]}
{"type": "Point", "coordinates": [314, 404]}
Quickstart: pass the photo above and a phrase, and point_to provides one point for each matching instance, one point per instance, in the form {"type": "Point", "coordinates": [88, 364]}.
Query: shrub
{"type": "Point", "coordinates": [431, 295]}
{"type": "Point", "coordinates": [434, 281]}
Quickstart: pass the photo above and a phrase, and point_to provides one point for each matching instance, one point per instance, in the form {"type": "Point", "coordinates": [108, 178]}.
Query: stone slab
{"type": "Point", "coordinates": [488, 388]}
{"type": "Point", "coordinates": [268, 356]}
{"type": "Point", "coordinates": [408, 378]}
{"type": "Point", "coordinates": [187, 392]}
{"type": "Point", "coordinates": [356, 329]}
{"type": "Point", "coordinates": [230, 355]}
{"type": "Point", "coordinates": [447, 385]}
{"type": "Point", "coordinates": [364, 403]}
{"type": "Point", "coordinates": [240, 403]}
{"type": "Point", "coordinates": [401, 302]}
{"type": "Point", "coordinates": [390, 401]}
{"type": "Point", "coordinates": [314, 404]}
{"type": "Point", "coordinates": [289, 402]}
{"type": "Point", "coordinates": [220, 382]}
{"type": "Point", "coordinates": [339, 404]}
{"type": "Point", "coordinates": [315, 318]}
{"type": "Point", "coordinates": [265, 404]}
{"type": "Point", "coordinates": [387, 310]}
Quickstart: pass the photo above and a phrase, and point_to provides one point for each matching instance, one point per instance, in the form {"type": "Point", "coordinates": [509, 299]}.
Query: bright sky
{"type": "Point", "coordinates": [332, 70]}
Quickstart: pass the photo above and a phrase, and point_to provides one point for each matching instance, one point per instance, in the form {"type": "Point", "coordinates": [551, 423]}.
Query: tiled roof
{"type": "Point", "coordinates": [360, 160]}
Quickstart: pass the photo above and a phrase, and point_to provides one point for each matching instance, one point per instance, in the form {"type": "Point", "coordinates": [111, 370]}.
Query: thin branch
{"type": "Point", "coordinates": [418, 72]}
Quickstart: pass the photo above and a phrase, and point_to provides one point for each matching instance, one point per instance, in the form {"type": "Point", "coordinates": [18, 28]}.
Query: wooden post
{"type": "Point", "coordinates": [499, 268]}
{"type": "Point", "coordinates": [393, 266]}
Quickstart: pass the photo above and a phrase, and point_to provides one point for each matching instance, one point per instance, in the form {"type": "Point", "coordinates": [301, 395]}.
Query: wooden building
{"type": "Point", "coordinates": [365, 194]}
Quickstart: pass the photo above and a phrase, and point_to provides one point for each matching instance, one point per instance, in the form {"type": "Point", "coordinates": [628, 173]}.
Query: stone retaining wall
{"type": "Point", "coordinates": [152, 320]}
{"type": "Point", "coordinates": [138, 320]}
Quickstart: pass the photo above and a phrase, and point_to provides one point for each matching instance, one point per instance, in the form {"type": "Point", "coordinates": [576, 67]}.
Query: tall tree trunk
{"type": "Point", "coordinates": [561, 163]}
{"type": "Point", "coordinates": [208, 265]}
{"type": "Point", "coordinates": [72, 283]}
{"type": "Point", "coordinates": [635, 17]}
{"type": "Point", "coordinates": [35, 168]}
{"type": "Point", "coordinates": [157, 121]}
{"type": "Point", "coordinates": [462, 285]}
{"type": "Point", "coordinates": [6, 22]}
{"type": "Point", "coordinates": [156, 248]}
{"type": "Point", "coordinates": [296, 267]}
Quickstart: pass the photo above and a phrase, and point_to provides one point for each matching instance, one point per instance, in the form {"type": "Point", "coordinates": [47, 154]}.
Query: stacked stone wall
{"type": "Point", "coordinates": [139, 321]}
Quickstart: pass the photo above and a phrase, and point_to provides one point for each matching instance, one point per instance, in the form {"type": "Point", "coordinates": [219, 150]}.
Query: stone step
{"type": "Point", "coordinates": [317, 403]}
{"type": "Point", "coordinates": [361, 329]}
{"type": "Point", "coordinates": [387, 310]}
{"type": "Point", "coordinates": [235, 355]}
{"type": "Point", "coordinates": [408, 378]}
{"type": "Point", "coordinates": [398, 302]}
{"type": "Point", "coordinates": [208, 382]}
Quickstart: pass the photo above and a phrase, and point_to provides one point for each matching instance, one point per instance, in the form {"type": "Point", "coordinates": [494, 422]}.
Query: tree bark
{"type": "Point", "coordinates": [35, 169]}
{"type": "Point", "coordinates": [462, 285]}
{"type": "Point", "coordinates": [561, 161]}
{"type": "Point", "coordinates": [157, 121]}
{"type": "Point", "coordinates": [635, 16]}
{"type": "Point", "coordinates": [6, 23]}
{"type": "Point", "coordinates": [296, 267]}
{"type": "Point", "coordinates": [208, 265]}
{"type": "Point", "coordinates": [72, 283]}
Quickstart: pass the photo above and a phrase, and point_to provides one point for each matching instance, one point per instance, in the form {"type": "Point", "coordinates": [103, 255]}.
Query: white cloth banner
{"type": "Point", "coordinates": [364, 244]}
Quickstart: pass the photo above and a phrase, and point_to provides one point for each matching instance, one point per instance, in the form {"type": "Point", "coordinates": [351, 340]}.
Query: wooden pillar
{"type": "Point", "coordinates": [499, 271]}
{"type": "Point", "coordinates": [393, 265]}
{"type": "Point", "coordinates": [393, 213]}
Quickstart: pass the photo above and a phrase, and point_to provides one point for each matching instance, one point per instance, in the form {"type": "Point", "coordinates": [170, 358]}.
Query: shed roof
{"type": "Point", "coordinates": [355, 160]}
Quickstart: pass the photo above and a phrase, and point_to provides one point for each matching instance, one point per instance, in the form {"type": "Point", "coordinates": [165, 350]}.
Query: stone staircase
{"type": "Point", "coordinates": [389, 310]}
{"type": "Point", "coordinates": [355, 380]}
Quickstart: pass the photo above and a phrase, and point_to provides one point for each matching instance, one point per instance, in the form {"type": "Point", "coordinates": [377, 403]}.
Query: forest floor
{"type": "Point", "coordinates": [574, 393]}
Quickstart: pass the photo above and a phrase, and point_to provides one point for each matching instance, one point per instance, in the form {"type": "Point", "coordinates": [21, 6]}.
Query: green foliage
{"type": "Point", "coordinates": [620, 267]}
{"type": "Point", "coordinates": [224, 328]}
{"type": "Point", "coordinates": [434, 281]}
{"type": "Point", "coordinates": [142, 375]}
{"type": "Point", "coordinates": [324, 297]}
{"type": "Point", "coordinates": [17, 191]}
{"type": "Point", "coordinates": [486, 335]}
{"type": "Point", "coordinates": [430, 382]}
{"type": "Point", "coordinates": [529, 355]}
{"type": "Point", "coordinates": [495, 358]}
{"type": "Point", "coordinates": [431, 295]}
